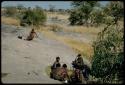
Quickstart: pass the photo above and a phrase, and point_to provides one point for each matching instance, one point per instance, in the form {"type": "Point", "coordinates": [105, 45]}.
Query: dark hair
{"type": "Point", "coordinates": [79, 55]}
{"type": "Point", "coordinates": [64, 65]}
{"type": "Point", "coordinates": [57, 58]}
{"type": "Point", "coordinates": [33, 30]}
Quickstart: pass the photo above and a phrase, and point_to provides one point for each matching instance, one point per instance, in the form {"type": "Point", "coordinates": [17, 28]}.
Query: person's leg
{"type": "Point", "coordinates": [54, 73]}
{"type": "Point", "coordinates": [87, 75]}
{"type": "Point", "coordinates": [51, 73]}
{"type": "Point", "coordinates": [29, 39]}
{"type": "Point", "coordinates": [20, 37]}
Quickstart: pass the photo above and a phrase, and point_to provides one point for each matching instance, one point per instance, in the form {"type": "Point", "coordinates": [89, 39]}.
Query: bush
{"type": "Point", "coordinates": [34, 17]}
{"type": "Point", "coordinates": [76, 18]}
{"type": "Point", "coordinates": [80, 14]}
{"type": "Point", "coordinates": [11, 11]}
{"type": "Point", "coordinates": [97, 17]}
{"type": "Point", "coordinates": [108, 59]}
{"type": "Point", "coordinates": [109, 55]}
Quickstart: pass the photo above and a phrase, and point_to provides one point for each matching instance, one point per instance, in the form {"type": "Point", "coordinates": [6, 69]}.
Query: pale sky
{"type": "Point", "coordinates": [43, 4]}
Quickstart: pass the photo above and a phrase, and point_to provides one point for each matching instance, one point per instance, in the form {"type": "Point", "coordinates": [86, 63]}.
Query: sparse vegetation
{"type": "Point", "coordinates": [82, 29]}
{"type": "Point", "coordinates": [80, 47]}
{"type": "Point", "coordinates": [86, 18]}
{"type": "Point", "coordinates": [10, 21]}
{"type": "Point", "coordinates": [11, 11]}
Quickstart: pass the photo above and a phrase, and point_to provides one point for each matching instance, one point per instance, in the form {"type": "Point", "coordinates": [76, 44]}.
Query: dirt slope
{"type": "Point", "coordinates": [25, 61]}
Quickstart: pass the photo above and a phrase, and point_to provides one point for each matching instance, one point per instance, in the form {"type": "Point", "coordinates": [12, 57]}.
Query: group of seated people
{"type": "Point", "coordinates": [60, 73]}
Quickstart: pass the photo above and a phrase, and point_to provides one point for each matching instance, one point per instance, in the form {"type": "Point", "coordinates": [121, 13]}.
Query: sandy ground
{"type": "Point", "coordinates": [26, 61]}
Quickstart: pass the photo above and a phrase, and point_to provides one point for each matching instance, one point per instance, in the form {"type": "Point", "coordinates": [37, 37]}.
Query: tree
{"type": "Point", "coordinates": [51, 8]}
{"type": "Point", "coordinates": [97, 17]}
{"type": "Point", "coordinates": [20, 7]}
{"type": "Point", "coordinates": [76, 18]}
{"type": "Point", "coordinates": [108, 59]}
{"type": "Point", "coordinates": [82, 9]}
{"type": "Point", "coordinates": [34, 17]}
{"type": "Point", "coordinates": [108, 54]}
{"type": "Point", "coordinates": [115, 9]}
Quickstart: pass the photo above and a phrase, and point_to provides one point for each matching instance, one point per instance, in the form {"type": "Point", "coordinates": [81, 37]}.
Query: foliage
{"type": "Point", "coordinates": [108, 53]}
{"type": "Point", "coordinates": [97, 17]}
{"type": "Point", "coordinates": [20, 7]}
{"type": "Point", "coordinates": [76, 17]}
{"type": "Point", "coordinates": [81, 12]}
{"type": "Point", "coordinates": [51, 8]}
{"type": "Point", "coordinates": [115, 9]}
{"type": "Point", "coordinates": [108, 56]}
{"type": "Point", "coordinates": [34, 16]}
{"type": "Point", "coordinates": [91, 13]}
{"type": "Point", "coordinates": [10, 11]}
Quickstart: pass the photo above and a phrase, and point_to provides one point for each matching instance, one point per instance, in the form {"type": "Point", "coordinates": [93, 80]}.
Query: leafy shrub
{"type": "Point", "coordinates": [34, 17]}
{"type": "Point", "coordinates": [109, 55]}
{"type": "Point", "coordinates": [80, 14]}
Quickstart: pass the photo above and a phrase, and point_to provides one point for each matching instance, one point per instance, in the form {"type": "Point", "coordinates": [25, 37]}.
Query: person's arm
{"type": "Point", "coordinates": [67, 75]}
{"type": "Point", "coordinates": [76, 59]}
{"type": "Point", "coordinates": [82, 63]}
{"type": "Point", "coordinates": [36, 34]}
{"type": "Point", "coordinates": [54, 65]}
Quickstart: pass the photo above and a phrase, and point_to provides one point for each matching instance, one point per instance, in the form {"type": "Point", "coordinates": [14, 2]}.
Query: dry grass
{"type": "Point", "coordinates": [83, 29]}
{"type": "Point", "coordinates": [59, 16]}
{"type": "Point", "coordinates": [51, 27]}
{"type": "Point", "coordinates": [75, 29]}
{"type": "Point", "coordinates": [80, 47]}
{"type": "Point", "coordinates": [10, 21]}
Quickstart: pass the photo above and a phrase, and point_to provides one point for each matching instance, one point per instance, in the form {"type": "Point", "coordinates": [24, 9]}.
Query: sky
{"type": "Point", "coordinates": [43, 4]}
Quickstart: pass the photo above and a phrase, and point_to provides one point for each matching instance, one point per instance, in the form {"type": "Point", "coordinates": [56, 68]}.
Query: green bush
{"type": "Point", "coordinates": [108, 59]}
{"type": "Point", "coordinates": [109, 55]}
{"type": "Point", "coordinates": [76, 18]}
{"type": "Point", "coordinates": [34, 17]}
{"type": "Point", "coordinates": [97, 17]}
{"type": "Point", "coordinates": [80, 14]}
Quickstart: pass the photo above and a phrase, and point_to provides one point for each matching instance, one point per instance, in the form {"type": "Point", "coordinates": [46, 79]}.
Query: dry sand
{"type": "Point", "coordinates": [26, 61]}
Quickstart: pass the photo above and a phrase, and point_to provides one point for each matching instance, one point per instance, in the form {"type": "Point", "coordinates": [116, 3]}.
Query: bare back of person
{"type": "Point", "coordinates": [32, 35]}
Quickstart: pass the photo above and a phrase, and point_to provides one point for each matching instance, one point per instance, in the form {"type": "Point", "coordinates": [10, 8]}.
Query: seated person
{"type": "Point", "coordinates": [62, 73]}
{"type": "Point", "coordinates": [54, 66]}
{"type": "Point", "coordinates": [32, 35]}
{"type": "Point", "coordinates": [78, 63]}
{"type": "Point", "coordinates": [54, 72]}
{"type": "Point", "coordinates": [55, 63]}
{"type": "Point", "coordinates": [86, 72]}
